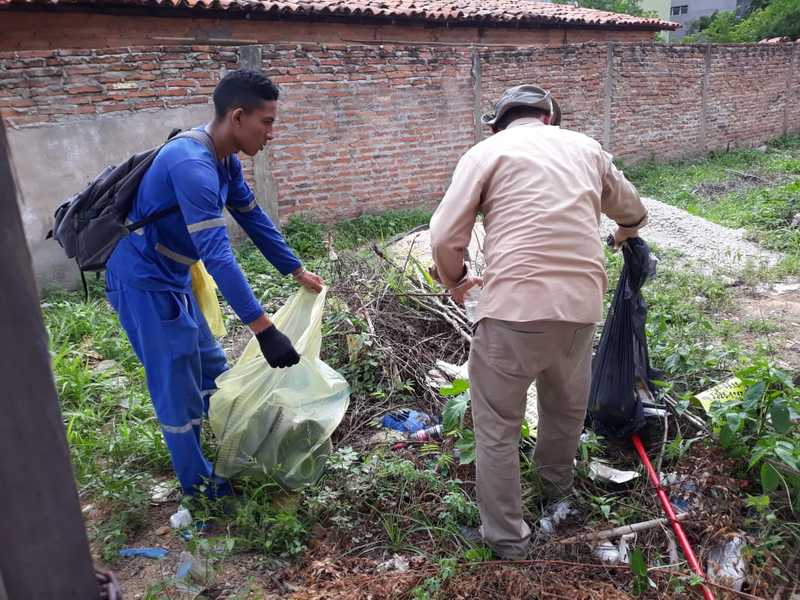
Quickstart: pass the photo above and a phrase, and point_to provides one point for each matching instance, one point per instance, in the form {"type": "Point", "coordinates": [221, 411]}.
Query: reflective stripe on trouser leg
{"type": "Point", "coordinates": [165, 337]}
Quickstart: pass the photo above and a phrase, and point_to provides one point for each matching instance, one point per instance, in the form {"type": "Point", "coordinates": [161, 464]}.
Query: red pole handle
{"type": "Point", "coordinates": [676, 525]}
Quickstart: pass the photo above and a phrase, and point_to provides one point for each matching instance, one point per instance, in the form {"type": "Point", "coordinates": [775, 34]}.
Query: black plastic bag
{"type": "Point", "coordinates": [622, 363]}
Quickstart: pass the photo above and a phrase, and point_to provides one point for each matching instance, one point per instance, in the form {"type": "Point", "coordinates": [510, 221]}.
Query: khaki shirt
{"type": "Point", "coordinates": [541, 190]}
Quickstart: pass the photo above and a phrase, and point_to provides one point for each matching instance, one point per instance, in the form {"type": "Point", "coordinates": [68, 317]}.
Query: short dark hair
{"type": "Point", "coordinates": [244, 88]}
{"type": "Point", "coordinates": [518, 112]}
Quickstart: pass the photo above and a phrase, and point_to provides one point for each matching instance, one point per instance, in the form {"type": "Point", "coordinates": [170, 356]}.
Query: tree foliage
{"type": "Point", "coordinates": [766, 19]}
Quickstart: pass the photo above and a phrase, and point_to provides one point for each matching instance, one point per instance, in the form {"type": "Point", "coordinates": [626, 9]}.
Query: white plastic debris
{"type": "Point", "coordinates": [555, 516]}
{"type": "Point", "coordinates": [783, 288]}
{"type": "Point", "coordinates": [162, 492]}
{"type": "Point", "coordinates": [193, 574]}
{"type": "Point", "coordinates": [612, 554]}
{"type": "Point", "coordinates": [726, 564]}
{"type": "Point", "coordinates": [599, 470]}
{"type": "Point", "coordinates": [668, 479]}
{"type": "Point", "coordinates": [104, 365]}
{"type": "Point", "coordinates": [386, 436]}
{"type": "Point", "coordinates": [181, 519]}
{"type": "Point", "coordinates": [396, 563]}
{"type": "Point", "coordinates": [445, 372]}
{"type": "Point", "coordinates": [650, 411]}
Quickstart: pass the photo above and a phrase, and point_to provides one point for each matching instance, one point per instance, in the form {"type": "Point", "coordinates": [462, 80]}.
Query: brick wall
{"type": "Point", "coordinates": [656, 101]}
{"type": "Point", "coordinates": [364, 127]}
{"type": "Point", "coordinates": [47, 86]}
{"type": "Point", "coordinates": [747, 93]}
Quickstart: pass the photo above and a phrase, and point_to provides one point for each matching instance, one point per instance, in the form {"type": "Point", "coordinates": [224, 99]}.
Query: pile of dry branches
{"type": "Point", "coordinates": [400, 315]}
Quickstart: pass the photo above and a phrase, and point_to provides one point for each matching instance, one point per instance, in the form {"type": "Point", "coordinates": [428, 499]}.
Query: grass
{"type": "Point", "coordinates": [412, 502]}
{"type": "Point", "coordinates": [311, 239]}
{"type": "Point", "coordinates": [750, 189]}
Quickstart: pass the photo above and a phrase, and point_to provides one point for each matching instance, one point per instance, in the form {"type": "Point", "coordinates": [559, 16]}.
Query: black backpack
{"type": "Point", "coordinates": [90, 224]}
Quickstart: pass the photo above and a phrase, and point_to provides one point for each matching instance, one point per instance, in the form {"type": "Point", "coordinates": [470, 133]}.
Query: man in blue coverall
{"type": "Point", "coordinates": [147, 276]}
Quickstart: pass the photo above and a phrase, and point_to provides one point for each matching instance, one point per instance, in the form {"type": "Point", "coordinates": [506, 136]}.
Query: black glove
{"type": "Point", "coordinates": [277, 348]}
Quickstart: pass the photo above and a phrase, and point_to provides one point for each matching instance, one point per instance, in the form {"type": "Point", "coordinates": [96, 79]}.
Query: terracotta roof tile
{"type": "Point", "coordinates": [489, 11]}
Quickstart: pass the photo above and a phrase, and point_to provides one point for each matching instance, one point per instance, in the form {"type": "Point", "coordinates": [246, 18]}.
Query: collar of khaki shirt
{"type": "Point", "coordinates": [525, 121]}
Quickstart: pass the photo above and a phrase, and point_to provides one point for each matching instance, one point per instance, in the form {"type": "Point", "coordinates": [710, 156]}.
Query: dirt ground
{"type": "Point", "coordinates": [328, 571]}
{"type": "Point", "coordinates": [777, 307]}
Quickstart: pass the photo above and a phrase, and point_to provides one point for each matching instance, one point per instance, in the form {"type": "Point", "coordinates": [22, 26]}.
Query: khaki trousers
{"type": "Point", "coordinates": [504, 359]}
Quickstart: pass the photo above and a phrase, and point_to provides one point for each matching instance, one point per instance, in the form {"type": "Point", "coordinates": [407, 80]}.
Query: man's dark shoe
{"type": "Point", "coordinates": [472, 535]}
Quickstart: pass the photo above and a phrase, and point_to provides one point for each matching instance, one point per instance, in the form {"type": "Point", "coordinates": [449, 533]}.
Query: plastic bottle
{"type": "Point", "coordinates": [427, 434]}
{"type": "Point", "coordinates": [471, 302]}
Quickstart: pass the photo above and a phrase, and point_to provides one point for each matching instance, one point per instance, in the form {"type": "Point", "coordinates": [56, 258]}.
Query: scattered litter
{"type": "Point", "coordinates": [118, 383]}
{"type": "Point", "coordinates": [193, 574]}
{"type": "Point", "coordinates": [672, 547]}
{"type": "Point", "coordinates": [87, 509]}
{"type": "Point", "coordinates": [407, 421]}
{"type": "Point", "coordinates": [599, 470]}
{"type": "Point", "coordinates": [396, 563]}
{"type": "Point", "coordinates": [181, 519]}
{"type": "Point", "coordinates": [444, 372]}
{"type": "Point", "coordinates": [782, 288]}
{"type": "Point", "coordinates": [162, 492]}
{"type": "Point", "coordinates": [684, 496]}
{"type": "Point", "coordinates": [727, 391]}
{"type": "Point", "coordinates": [104, 365]}
{"type": "Point", "coordinates": [612, 554]}
{"type": "Point", "coordinates": [163, 530]}
{"type": "Point", "coordinates": [427, 434]}
{"type": "Point", "coordinates": [555, 515]}
{"type": "Point", "coordinates": [650, 411]}
{"type": "Point", "coordinates": [145, 552]}
{"type": "Point", "coordinates": [726, 564]}
{"type": "Point", "coordinates": [385, 436]}
{"type": "Point", "coordinates": [355, 342]}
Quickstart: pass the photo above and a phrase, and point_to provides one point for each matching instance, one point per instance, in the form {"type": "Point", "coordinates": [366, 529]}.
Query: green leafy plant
{"type": "Point", "coordinates": [762, 427]}
{"type": "Point", "coordinates": [641, 582]}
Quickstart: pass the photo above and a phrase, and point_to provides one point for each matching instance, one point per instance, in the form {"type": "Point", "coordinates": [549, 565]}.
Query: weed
{"type": "Point", "coordinates": [431, 586]}
{"type": "Point", "coordinates": [309, 238]}
{"type": "Point", "coordinates": [741, 189]}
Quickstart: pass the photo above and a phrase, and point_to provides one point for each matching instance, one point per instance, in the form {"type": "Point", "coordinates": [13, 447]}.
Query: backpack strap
{"type": "Point", "coordinates": [198, 135]}
{"type": "Point", "coordinates": [195, 134]}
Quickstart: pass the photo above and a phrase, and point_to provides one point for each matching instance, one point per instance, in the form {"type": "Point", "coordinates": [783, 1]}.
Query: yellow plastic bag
{"type": "Point", "coordinates": [278, 422]}
{"type": "Point", "coordinates": [205, 290]}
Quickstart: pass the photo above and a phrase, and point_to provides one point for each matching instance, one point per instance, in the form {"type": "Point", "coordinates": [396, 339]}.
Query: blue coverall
{"type": "Point", "coordinates": [149, 285]}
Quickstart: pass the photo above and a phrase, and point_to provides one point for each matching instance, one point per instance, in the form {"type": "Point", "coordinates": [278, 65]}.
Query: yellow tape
{"type": "Point", "coordinates": [727, 391]}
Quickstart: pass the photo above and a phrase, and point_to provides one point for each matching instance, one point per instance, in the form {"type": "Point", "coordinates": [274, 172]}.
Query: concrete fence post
{"type": "Point", "coordinates": [475, 73]}
{"type": "Point", "coordinates": [607, 94]}
{"type": "Point", "coordinates": [266, 189]}
{"type": "Point", "coordinates": [704, 99]}
{"type": "Point", "coordinates": [789, 83]}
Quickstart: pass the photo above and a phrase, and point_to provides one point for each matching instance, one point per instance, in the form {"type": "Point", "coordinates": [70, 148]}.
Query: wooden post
{"type": "Point", "coordinates": [45, 553]}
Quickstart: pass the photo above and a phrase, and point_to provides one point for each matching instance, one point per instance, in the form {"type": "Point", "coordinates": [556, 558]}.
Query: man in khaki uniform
{"type": "Point", "coordinates": [541, 190]}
